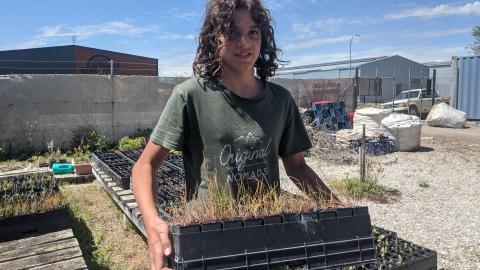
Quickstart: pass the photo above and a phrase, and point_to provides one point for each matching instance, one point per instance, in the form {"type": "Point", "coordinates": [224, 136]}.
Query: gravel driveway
{"type": "Point", "coordinates": [445, 216]}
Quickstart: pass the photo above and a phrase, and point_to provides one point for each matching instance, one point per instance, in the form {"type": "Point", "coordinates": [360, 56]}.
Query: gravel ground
{"type": "Point", "coordinates": [445, 216]}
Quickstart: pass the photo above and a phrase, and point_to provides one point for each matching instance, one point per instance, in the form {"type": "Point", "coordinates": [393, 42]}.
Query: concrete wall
{"type": "Point", "coordinates": [35, 109]}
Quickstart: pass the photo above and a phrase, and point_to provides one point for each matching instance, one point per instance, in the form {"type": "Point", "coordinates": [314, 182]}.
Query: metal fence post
{"type": "Point", "coordinates": [362, 156]}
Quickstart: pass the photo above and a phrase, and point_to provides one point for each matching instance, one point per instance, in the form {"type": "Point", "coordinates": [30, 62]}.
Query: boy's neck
{"type": "Point", "coordinates": [243, 85]}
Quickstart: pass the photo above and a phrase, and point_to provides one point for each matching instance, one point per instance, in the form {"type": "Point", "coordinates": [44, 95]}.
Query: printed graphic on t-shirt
{"type": "Point", "coordinates": [246, 158]}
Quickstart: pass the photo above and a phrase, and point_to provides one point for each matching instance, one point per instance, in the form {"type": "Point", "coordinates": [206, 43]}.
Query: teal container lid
{"type": "Point", "coordinates": [62, 168]}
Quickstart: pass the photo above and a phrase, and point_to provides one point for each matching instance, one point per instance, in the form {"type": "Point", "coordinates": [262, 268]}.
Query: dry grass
{"type": "Point", "coordinates": [97, 224]}
{"type": "Point", "coordinates": [11, 165]}
{"type": "Point", "coordinates": [325, 148]}
{"type": "Point", "coordinates": [218, 204]}
{"type": "Point", "coordinates": [37, 205]}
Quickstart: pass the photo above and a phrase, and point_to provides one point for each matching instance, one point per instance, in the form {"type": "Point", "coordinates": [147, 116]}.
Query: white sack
{"type": "Point", "coordinates": [405, 129]}
{"type": "Point", "coordinates": [372, 119]}
{"type": "Point", "coordinates": [346, 135]}
{"type": "Point", "coordinates": [442, 115]}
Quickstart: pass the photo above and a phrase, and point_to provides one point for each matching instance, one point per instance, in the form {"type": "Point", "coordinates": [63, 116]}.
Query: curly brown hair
{"type": "Point", "coordinates": [217, 22]}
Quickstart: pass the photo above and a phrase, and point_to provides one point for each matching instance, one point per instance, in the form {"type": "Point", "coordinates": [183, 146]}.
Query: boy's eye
{"type": "Point", "coordinates": [254, 32]}
{"type": "Point", "coordinates": [232, 34]}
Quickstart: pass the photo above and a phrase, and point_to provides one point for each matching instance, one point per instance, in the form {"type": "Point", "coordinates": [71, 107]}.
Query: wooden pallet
{"type": "Point", "coordinates": [57, 250]}
{"type": "Point", "coordinates": [122, 197]}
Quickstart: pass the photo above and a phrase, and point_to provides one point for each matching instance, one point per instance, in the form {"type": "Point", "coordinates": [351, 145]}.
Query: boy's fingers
{"type": "Point", "coordinates": [166, 245]}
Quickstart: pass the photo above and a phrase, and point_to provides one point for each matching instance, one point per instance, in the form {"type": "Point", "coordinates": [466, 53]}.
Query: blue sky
{"type": "Point", "coordinates": [308, 31]}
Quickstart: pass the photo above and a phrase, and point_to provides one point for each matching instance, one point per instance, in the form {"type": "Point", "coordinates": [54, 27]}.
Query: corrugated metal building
{"type": "Point", "coordinates": [408, 74]}
{"type": "Point", "coordinates": [384, 67]}
{"type": "Point", "coordinates": [74, 59]}
{"type": "Point", "coordinates": [466, 85]}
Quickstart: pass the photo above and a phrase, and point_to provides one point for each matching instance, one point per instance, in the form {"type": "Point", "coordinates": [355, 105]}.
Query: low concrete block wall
{"type": "Point", "coordinates": [35, 109]}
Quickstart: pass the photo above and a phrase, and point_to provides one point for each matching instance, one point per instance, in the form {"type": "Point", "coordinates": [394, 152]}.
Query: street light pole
{"type": "Point", "coordinates": [350, 57]}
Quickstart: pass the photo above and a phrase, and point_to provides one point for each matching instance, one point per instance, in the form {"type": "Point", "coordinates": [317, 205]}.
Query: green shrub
{"type": "Point", "coordinates": [127, 143]}
{"type": "Point", "coordinates": [90, 140]}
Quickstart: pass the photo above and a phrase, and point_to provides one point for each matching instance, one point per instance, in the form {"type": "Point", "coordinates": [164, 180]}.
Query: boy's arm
{"type": "Point", "coordinates": [142, 184]}
{"type": "Point", "coordinates": [305, 178]}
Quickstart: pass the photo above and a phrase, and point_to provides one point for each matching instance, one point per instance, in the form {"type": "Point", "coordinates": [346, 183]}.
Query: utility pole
{"type": "Point", "coordinates": [350, 57]}
{"type": "Point", "coordinates": [74, 39]}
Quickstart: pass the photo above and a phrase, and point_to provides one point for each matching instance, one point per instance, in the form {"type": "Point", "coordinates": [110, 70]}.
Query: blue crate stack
{"type": "Point", "coordinates": [332, 116]}
{"type": "Point", "coordinates": [376, 146]}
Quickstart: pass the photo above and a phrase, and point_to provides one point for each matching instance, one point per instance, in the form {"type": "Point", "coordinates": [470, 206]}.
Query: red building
{"type": "Point", "coordinates": [74, 59]}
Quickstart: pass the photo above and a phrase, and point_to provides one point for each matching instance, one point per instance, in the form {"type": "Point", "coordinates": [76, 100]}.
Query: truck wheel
{"type": "Point", "coordinates": [413, 111]}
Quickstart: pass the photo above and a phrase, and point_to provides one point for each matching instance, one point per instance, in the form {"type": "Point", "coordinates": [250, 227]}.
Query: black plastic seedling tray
{"type": "Point", "coordinates": [132, 155]}
{"type": "Point", "coordinates": [396, 254]}
{"type": "Point", "coordinates": [168, 183]}
{"type": "Point", "coordinates": [320, 240]}
{"type": "Point", "coordinates": [175, 160]}
{"type": "Point", "coordinates": [116, 166]}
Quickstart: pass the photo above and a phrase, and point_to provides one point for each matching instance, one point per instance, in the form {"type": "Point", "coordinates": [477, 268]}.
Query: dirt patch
{"type": "Point", "coordinates": [470, 134]}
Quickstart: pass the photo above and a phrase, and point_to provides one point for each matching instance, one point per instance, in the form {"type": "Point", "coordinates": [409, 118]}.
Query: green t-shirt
{"type": "Point", "coordinates": [226, 136]}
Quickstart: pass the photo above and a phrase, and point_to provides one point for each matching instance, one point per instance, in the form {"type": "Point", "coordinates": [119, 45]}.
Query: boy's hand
{"type": "Point", "coordinates": [159, 244]}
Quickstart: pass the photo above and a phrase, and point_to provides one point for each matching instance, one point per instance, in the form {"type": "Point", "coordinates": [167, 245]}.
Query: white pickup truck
{"type": "Point", "coordinates": [414, 102]}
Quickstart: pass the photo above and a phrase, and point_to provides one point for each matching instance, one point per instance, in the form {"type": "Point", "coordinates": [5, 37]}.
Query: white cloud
{"type": "Point", "coordinates": [112, 28]}
{"type": "Point", "coordinates": [440, 10]}
{"type": "Point", "coordinates": [435, 34]}
{"type": "Point", "coordinates": [310, 29]}
{"type": "Point", "coordinates": [48, 34]}
{"type": "Point", "coordinates": [316, 42]}
{"type": "Point", "coordinates": [175, 36]}
{"type": "Point", "coordinates": [281, 4]}
{"type": "Point", "coordinates": [178, 15]}
{"type": "Point", "coordinates": [118, 28]}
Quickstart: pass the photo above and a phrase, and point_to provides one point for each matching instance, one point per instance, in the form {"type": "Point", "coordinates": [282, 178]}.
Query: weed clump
{"type": "Point", "coordinates": [423, 184]}
{"type": "Point", "coordinates": [353, 188]}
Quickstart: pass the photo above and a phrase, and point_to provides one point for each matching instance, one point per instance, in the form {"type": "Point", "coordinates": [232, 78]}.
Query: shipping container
{"type": "Point", "coordinates": [467, 88]}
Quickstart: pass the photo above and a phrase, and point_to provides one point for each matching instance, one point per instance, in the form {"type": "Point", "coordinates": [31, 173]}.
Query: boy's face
{"type": "Point", "coordinates": [241, 47]}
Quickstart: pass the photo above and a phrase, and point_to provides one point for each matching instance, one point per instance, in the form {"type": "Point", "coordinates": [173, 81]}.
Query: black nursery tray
{"type": "Point", "coordinates": [168, 184]}
{"type": "Point", "coordinates": [116, 166]}
{"type": "Point", "coordinates": [396, 254]}
{"type": "Point", "coordinates": [321, 240]}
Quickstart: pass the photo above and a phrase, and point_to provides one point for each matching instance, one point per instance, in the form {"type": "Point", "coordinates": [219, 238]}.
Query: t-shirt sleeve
{"type": "Point", "coordinates": [170, 129]}
{"type": "Point", "coordinates": [294, 137]}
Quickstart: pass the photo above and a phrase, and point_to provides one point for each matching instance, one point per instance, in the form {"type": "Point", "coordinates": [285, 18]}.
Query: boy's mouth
{"type": "Point", "coordinates": [242, 54]}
